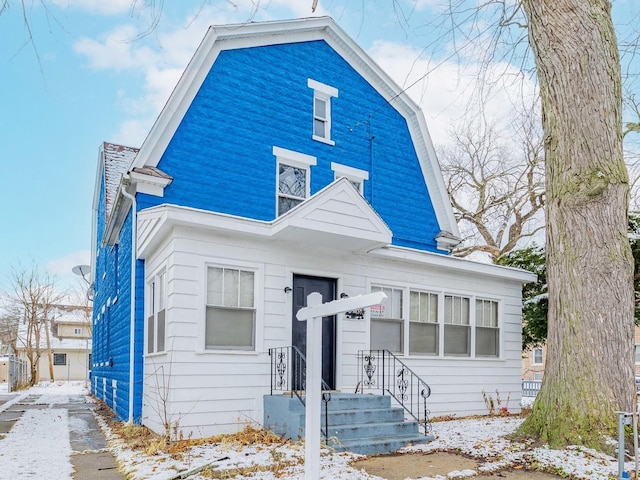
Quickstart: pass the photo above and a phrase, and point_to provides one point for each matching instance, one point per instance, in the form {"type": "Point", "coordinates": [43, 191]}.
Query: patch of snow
{"type": "Point", "coordinates": [37, 447]}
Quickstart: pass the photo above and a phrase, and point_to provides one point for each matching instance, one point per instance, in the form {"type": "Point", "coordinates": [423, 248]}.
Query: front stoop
{"type": "Point", "coordinates": [364, 424]}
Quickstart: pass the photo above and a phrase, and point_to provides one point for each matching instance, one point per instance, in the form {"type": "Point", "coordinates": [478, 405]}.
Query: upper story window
{"type": "Point", "coordinates": [293, 178]}
{"type": "Point", "coordinates": [77, 331]}
{"type": "Point", "coordinates": [355, 175]}
{"type": "Point", "coordinates": [387, 321]}
{"type": "Point", "coordinates": [156, 304]}
{"type": "Point", "coordinates": [322, 95]}
{"type": "Point", "coordinates": [230, 319]}
{"type": "Point", "coordinates": [537, 356]}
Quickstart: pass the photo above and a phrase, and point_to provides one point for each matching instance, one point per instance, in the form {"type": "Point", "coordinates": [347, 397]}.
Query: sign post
{"type": "Point", "coordinates": [313, 313]}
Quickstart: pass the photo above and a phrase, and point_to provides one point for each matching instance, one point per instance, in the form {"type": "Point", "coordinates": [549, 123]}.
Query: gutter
{"type": "Point", "coordinates": [134, 235]}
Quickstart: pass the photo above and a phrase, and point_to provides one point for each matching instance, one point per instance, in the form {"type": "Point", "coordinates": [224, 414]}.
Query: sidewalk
{"type": "Point", "coordinates": [50, 431]}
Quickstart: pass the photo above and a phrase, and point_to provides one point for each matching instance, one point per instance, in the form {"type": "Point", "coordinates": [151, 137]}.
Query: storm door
{"type": "Point", "coordinates": [302, 286]}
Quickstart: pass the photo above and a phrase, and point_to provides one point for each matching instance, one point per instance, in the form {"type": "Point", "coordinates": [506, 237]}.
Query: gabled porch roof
{"type": "Point", "coordinates": [336, 217]}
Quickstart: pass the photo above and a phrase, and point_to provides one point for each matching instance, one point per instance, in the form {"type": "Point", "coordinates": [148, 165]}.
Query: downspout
{"type": "Point", "coordinates": [132, 328]}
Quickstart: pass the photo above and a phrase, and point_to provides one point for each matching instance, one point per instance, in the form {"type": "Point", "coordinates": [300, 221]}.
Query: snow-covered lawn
{"type": "Point", "coordinates": [481, 438]}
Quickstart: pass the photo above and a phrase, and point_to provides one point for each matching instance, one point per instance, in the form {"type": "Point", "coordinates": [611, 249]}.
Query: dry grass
{"type": "Point", "coordinates": [140, 438]}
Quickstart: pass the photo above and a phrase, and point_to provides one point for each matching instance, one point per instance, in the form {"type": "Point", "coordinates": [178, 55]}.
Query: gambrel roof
{"type": "Point", "coordinates": [231, 37]}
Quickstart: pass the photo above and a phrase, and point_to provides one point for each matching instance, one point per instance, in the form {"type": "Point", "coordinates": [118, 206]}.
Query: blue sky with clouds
{"type": "Point", "coordinates": [90, 75]}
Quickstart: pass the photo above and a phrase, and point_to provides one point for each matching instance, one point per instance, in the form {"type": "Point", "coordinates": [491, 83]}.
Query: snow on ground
{"type": "Point", "coordinates": [46, 431]}
{"type": "Point", "coordinates": [38, 446]}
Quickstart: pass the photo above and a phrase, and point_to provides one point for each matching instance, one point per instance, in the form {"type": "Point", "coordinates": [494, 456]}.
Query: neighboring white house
{"type": "Point", "coordinates": [70, 342]}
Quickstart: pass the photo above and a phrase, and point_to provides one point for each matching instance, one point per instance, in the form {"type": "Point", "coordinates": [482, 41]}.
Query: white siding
{"type": "Point", "coordinates": [209, 392]}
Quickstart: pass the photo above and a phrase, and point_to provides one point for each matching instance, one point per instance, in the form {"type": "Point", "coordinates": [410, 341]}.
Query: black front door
{"type": "Point", "coordinates": [302, 286]}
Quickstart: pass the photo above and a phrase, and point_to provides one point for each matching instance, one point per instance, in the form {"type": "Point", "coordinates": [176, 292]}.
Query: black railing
{"type": "Point", "coordinates": [289, 375]}
{"type": "Point", "coordinates": [382, 370]}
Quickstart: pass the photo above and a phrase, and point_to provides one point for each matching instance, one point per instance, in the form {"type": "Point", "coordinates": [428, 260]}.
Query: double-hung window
{"type": "Point", "coordinates": [537, 356]}
{"type": "Point", "coordinates": [457, 326]}
{"type": "Point", "coordinates": [637, 352]}
{"type": "Point", "coordinates": [157, 305]}
{"type": "Point", "coordinates": [322, 95]}
{"type": "Point", "coordinates": [387, 323]}
{"type": "Point", "coordinates": [355, 175]}
{"type": "Point", "coordinates": [231, 314]}
{"type": "Point", "coordinates": [293, 178]}
{"type": "Point", "coordinates": [487, 331]}
{"type": "Point", "coordinates": [423, 323]}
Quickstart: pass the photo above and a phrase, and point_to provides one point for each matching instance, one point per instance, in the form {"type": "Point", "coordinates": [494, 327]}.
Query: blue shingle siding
{"type": "Point", "coordinates": [254, 98]}
{"type": "Point", "coordinates": [112, 308]}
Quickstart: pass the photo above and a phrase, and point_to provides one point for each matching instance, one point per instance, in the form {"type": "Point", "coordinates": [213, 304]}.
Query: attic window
{"type": "Point", "coordinates": [355, 175]}
{"type": "Point", "coordinates": [293, 178]}
{"type": "Point", "coordinates": [322, 110]}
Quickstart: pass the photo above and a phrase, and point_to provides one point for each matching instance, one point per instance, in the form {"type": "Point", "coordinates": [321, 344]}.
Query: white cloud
{"type": "Point", "coordinates": [61, 267]}
{"type": "Point", "coordinates": [445, 90]}
{"type": "Point", "coordinates": [102, 7]}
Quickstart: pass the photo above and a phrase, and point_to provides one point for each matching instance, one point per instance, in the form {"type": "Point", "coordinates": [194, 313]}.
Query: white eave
{"type": "Point", "coordinates": [229, 37]}
{"type": "Point", "coordinates": [336, 217]}
{"type": "Point", "coordinates": [453, 263]}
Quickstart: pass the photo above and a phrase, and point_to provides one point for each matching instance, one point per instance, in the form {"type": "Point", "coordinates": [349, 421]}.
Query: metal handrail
{"type": "Point", "coordinates": [382, 370]}
{"type": "Point", "coordinates": [289, 374]}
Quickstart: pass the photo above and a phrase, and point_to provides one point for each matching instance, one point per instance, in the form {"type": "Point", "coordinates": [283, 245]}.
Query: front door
{"type": "Point", "coordinates": [302, 286]}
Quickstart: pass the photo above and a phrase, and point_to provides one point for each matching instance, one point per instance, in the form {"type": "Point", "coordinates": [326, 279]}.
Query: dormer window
{"type": "Point", "coordinates": [355, 175]}
{"type": "Point", "coordinates": [322, 110]}
{"type": "Point", "coordinates": [293, 178]}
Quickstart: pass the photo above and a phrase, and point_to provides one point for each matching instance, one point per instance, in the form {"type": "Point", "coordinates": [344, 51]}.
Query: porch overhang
{"type": "Point", "coordinates": [337, 217]}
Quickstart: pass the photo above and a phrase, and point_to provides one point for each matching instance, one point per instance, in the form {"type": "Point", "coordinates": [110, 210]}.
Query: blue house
{"type": "Point", "coordinates": [285, 162]}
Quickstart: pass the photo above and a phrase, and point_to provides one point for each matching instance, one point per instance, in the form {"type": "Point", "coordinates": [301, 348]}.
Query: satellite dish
{"type": "Point", "coordinates": [81, 270]}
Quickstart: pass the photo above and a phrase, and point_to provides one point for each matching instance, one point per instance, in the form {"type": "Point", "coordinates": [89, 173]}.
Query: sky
{"type": "Point", "coordinates": [81, 72]}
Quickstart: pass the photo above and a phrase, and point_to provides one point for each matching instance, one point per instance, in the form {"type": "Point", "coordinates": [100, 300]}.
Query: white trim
{"type": "Point", "coordinates": [258, 304]}
{"type": "Point", "coordinates": [326, 90]}
{"type": "Point", "coordinates": [355, 175]}
{"type": "Point", "coordinates": [324, 93]}
{"type": "Point", "coordinates": [295, 159]}
{"type": "Point", "coordinates": [349, 172]}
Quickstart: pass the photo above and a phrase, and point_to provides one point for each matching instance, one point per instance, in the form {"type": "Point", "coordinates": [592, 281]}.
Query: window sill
{"type": "Point", "coordinates": [155, 354]}
{"type": "Point", "coordinates": [328, 141]}
{"type": "Point", "coordinates": [227, 352]}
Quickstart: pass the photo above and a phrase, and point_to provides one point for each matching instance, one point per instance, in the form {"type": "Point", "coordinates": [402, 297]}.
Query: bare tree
{"type": "Point", "coordinates": [495, 181]}
{"type": "Point", "coordinates": [33, 293]}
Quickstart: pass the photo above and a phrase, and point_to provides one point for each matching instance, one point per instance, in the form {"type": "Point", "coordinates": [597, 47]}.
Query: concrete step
{"type": "Point", "coordinates": [373, 430]}
{"type": "Point", "coordinates": [373, 415]}
{"type": "Point", "coordinates": [365, 424]}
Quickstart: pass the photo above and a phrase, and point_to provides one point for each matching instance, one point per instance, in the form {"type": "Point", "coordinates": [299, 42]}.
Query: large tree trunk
{"type": "Point", "coordinates": [589, 365]}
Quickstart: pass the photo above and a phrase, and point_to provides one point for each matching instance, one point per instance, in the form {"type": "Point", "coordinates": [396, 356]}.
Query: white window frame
{"type": "Point", "coordinates": [355, 175]}
{"type": "Point", "coordinates": [390, 320]}
{"type": "Point", "coordinates": [296, 160]}
{"type": "Point", "coordinates": [419, 320]}
{"type": "Point", "coordinates": [459, 322]}
{"type": "Point", "coordinates": [533, 356]}
{"type": "Point", "coordinates": [482, 324]}
{"type": "Point", "coordinates": [254, 336]}
{"type": "Point", "coordinates": [77, 331]}
{"type": "Point", "coordinates": [156, 304]}
{"type": "Point", "coordinates": [537, 376]}
{"type": "Point", "coordinates": [324, 93]}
